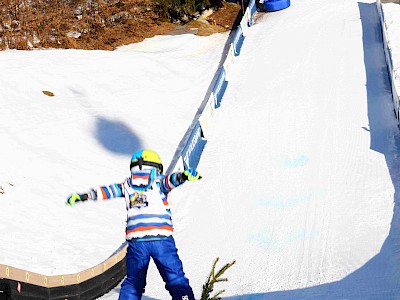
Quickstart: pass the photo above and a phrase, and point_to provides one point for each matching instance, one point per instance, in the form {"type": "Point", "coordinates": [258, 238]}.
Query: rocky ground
{"type": "Point", "coordinates": [96, 24]}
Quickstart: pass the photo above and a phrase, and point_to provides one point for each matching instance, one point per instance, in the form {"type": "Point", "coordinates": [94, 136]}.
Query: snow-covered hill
{"type": "Point", "coordinates": [300, 174]}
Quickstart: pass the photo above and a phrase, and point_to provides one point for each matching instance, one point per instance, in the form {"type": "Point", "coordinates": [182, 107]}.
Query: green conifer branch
{"type": "Point", "coordinates": [208, 287]}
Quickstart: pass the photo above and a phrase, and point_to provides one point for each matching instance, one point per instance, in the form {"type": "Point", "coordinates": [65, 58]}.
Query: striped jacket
{"type": "Point", "coordinates": [148, 210]}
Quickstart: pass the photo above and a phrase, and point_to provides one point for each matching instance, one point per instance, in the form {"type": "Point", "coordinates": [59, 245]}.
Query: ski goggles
{"type": "Point", "coordinates": [141, 163]}
{"type": "Point", "coordinates": [143, 179]}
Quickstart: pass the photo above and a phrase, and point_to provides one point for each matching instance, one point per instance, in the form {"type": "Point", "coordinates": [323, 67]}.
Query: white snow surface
{"type": "Point", "coordinates": [300, 172]}
{"type": "Point", "coordinates": [392, 24]}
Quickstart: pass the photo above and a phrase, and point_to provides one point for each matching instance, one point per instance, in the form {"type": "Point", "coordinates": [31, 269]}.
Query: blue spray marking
{"type": "Point", "coordinates": [263, 240]}
{"type": "Point", "coordinates": [288, 202]}
{"type": "Point", "coordinates": [295, 162]}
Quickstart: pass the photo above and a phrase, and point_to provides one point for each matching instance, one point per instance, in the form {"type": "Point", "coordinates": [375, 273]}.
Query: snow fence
{"type": "Point", "coordinates": [189, 150]}
{"type": "Point", "coordinates": [392, 48]}
{"type": "Point", "coordinates": [94, 282]}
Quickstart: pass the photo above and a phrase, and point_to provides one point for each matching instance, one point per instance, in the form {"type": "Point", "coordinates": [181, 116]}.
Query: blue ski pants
{"type": "Point", "coordinates": [165, 255]}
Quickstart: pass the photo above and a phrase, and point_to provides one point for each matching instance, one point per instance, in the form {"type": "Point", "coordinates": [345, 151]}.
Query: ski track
{"type": "Point", "coordinates": [316, 224]}
{"type": "Point", "coordinates": [296, 121]}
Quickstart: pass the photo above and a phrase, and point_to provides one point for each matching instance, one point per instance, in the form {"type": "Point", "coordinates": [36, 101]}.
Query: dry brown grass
{"type": "Point", "coordinates": [90, 24]}
{"type": "Point", "coordinates": [221, 20]}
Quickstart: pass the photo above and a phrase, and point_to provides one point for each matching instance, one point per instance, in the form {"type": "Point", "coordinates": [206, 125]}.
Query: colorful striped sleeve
{"type": "Point", "coordinates": [169, 182]}
{"type": "Point", "coordinates": [109, 191]}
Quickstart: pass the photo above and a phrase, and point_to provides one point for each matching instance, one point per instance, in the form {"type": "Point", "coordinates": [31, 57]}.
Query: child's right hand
{"type": "Point", "coordinates": [73, 198]}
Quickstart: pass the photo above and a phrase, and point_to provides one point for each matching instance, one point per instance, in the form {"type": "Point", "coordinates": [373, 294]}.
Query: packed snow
{"type": "Point", "coordinates": [392, 22]}
{"type": "Point", "coordinates": [300, 172]}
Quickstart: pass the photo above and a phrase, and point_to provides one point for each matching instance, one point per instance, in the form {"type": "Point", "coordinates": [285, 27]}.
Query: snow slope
{"type": "Point", "coordinates": [392, 23]}
{"type": "Point", "coordinates": [300, 173]}
{"type": "Point", "coordinates": [106, 106]}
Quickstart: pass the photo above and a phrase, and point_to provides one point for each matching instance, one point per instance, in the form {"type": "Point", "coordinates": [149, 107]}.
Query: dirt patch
{"type": "Point", "coordinates": [102, 25]}
{"type": "Point", "coordinates": [220, 20]}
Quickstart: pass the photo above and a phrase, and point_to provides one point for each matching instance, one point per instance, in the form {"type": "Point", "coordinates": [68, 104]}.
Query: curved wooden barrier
{"type": "Point", "coordinates": [18, 284]}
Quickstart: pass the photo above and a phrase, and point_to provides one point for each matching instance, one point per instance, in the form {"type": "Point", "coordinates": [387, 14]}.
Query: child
{"type": "Point", "coordinates": [149, 224]}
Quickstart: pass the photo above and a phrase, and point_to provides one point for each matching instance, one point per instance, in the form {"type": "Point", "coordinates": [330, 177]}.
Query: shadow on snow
{"type": "Point", "coordinates": [116, 137]}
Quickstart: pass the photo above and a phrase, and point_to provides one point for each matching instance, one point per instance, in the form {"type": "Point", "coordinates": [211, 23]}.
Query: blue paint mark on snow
{"type": "Point", "coordinates": [295, 162]}
{"type": "Point", "coordinates": [264, 240]}
{"type": "Point", "coordinates": [288, 202]}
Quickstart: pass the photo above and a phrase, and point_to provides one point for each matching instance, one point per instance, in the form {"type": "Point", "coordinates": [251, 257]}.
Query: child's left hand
{"type": "Point", "coordinates": [191, 175]}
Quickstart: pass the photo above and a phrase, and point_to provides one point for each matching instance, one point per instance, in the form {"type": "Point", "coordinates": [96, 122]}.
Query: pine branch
{"type": "Point", "coordinates": [212, 279]}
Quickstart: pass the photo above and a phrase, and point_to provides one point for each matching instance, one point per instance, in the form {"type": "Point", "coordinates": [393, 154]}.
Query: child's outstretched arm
{"type": "Point", "coordinates": [176, 179]}
{"type": "Point", "coordinates": [101, 193]}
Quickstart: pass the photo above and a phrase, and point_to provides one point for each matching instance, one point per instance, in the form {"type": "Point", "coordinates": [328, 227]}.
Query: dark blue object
{"type": "Point", "coordinates": [165, 256]}
{"type": "Point", "coordinates": [192, 152]}
{"type": "Point", "coordinates": [238, 40]}
{"type": "Point", "coordinates": [220, 87]}
{"type": "Point", "coordinates": [274, 5]}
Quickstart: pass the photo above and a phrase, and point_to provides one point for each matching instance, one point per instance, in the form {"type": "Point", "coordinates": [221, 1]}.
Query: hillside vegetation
{"type": "Point", "coordinates": [103, 24]}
